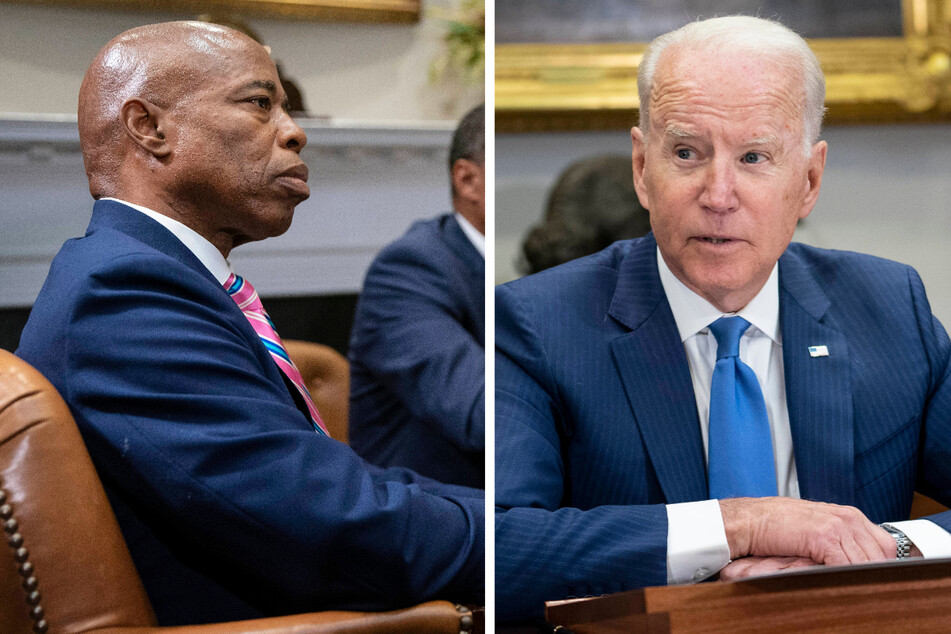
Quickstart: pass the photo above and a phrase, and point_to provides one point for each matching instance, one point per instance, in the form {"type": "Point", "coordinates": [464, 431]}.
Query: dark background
{"type": "Point", "coordinates": [325, 319]}
{"type": "Point", "coordinates": [571, 21]}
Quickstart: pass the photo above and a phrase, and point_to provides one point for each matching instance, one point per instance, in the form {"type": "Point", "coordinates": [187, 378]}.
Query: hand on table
{"type": "Point", "coordinates": [788, 528]}
{"type": "Point", "coordinates": [750, 566]}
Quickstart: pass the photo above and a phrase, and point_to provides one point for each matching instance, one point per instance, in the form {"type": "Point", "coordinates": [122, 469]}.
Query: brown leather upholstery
{"type": "Point", "coordinates": [922, 505]}
{"type": "Point", "coordinates": [434, 617]}
{"type": "Point", "coordinates": [64, 566]}
{"type": "Point", "coordinates": [326, 373]}
{"type": "Point", "coordinates": [55, 502]}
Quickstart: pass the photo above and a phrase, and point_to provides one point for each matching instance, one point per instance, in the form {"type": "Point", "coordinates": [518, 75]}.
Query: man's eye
{"type": "Point", "coordinates": [753, 157]}
{"type": "Point", "coordinates": [263, 102]}
{"type": "Point", "coordinates": [684, 153]}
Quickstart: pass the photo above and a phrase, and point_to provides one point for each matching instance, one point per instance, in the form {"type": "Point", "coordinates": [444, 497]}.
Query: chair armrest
{"type": "Point", "coordinates": [432, 617]}
{"type": "Point", "coordinates": [922, 506]}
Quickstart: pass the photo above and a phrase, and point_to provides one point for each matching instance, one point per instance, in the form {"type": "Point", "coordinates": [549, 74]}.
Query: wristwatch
{"type": "Point", "coordinates": [902, 543]}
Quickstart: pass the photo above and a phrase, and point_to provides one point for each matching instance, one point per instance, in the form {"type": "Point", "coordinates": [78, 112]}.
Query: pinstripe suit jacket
{"type": "Point", "coordinates": [231, 505]}
{"type": "Point", "coordinates": [597, 426]}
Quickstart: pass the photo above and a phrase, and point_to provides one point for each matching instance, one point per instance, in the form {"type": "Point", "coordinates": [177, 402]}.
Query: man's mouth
{"type": "Point", "coordinates": [299, 171]}
{"type": "Point", "coordinates": [295, 180]}
{"type": "Point", "coordinates": [716, 240]}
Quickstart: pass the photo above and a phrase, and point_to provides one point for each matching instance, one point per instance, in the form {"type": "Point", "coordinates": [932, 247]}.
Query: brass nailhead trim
{"type": "Point", "coordinates": [21, 555]}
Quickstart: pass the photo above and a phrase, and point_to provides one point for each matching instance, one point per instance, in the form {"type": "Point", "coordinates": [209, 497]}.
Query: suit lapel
{"type": "Point", "coordinates": [460, 244]}
{"type": "Point", "coordinates": [653, 368]}
{"type": "Point", "coordinates": [115, 215]}
{"type": "Point", "coordinates": [818, 389]}
{"type": "Point", "coordinates": [462, 248]}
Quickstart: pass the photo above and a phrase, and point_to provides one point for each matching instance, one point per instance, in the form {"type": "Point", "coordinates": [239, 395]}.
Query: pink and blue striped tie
{"type": "Point", "coordinates": [247, 299]}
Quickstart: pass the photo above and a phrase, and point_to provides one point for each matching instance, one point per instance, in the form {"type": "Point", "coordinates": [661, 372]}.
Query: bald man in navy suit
{"type": "Point", "coordinates": [232, 502]}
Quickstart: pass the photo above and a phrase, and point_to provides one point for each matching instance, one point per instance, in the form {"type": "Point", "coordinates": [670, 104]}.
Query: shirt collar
{"type": "Point", "coordinates": [474, 235]}
{"type": "Point", "coordinates": [204, 250]}
{"type": "Point", "coordinates": [693, 313]}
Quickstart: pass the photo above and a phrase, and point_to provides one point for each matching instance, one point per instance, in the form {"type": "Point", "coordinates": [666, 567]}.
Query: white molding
{"type": "Point", "coordinates": [369, 182]}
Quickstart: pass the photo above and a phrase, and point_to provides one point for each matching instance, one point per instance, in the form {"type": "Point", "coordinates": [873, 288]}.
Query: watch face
{"type": "Point", "coordinates": [902, 543]}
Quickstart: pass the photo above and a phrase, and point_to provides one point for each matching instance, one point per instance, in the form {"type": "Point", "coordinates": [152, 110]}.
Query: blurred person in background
{"type": "Point", "coordinates": [592, 205]}
{"type": "Point", "coordinates": [417, 350]}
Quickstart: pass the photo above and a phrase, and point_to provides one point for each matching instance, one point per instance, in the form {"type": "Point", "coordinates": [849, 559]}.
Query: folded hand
{"type": "Point", "coordinates": [784, 527]}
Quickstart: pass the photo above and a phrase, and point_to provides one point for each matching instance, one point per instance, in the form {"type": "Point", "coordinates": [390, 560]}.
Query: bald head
{"type": "Point", "coordinates": [157, 63]}
{"type": "Point", "coordinates": [188, 119]}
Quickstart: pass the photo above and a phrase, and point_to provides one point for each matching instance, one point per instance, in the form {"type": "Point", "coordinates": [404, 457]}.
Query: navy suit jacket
{"type": "Point", "coordinates": [417, 356]}
{"type": "Point", "coordinates": [597, 426]}
{"type": "Point", "coordinates": [232, 506]}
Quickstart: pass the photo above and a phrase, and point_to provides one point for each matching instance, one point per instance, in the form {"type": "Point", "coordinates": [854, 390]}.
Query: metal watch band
{"type": "Point", "coordinates": [902, 543]}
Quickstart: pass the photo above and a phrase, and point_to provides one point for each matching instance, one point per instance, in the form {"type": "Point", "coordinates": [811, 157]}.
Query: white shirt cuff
{"type": "Point", "coordinates": [696, 541]}
{"type": "Point", "coordinates": [931, 539]}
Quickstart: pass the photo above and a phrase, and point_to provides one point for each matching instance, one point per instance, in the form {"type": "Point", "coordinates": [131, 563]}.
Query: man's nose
{"type": "Point", "coordinates": [290, 135]}
{"type": "Point", "coordinates": [719, 186]}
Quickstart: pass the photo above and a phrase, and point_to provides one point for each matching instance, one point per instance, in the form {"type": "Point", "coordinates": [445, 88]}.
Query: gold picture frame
{"type": "Point", "coordinates": [558, 87]}
{"type": "Point", "coordinates": [405, 11]}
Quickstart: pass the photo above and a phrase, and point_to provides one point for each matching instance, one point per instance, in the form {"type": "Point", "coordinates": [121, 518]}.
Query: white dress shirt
{"type": "Point", "coordinates": [696, 540]}
{"type": "Point", "coordinates": [207, 253]}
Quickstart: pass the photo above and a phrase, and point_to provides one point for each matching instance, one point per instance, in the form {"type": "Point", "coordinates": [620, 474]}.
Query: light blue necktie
{"type": "Point", "coordinates": [741, 451]}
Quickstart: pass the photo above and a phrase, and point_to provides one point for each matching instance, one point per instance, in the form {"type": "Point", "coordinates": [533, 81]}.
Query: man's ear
{"type": "Point", "coordinates": [815, 168]}
{"type": "Point", "coordinates": [467, 180]}
{"type": "Point", "coordinates": [145, 123]}
{"type": "Point", "coordinates": [638, 158]}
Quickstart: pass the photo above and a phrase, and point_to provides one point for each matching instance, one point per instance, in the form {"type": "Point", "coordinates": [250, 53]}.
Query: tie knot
{"type": "Point", "coordinates": [728, 331]}
{"type": "Point", "coordinates": [243, 293]}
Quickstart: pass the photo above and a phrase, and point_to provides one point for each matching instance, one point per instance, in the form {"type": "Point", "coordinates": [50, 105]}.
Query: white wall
{"type": "Point", "coordinates": [367, 185]}
{"type": "Point", "coordinates": [346, 71]}
{"type": "Point", "coordinates": [886, 191]}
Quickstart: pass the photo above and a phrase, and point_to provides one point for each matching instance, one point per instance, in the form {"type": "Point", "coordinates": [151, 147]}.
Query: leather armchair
{"type": "Point", "coordinates": [64, 566]}
{"type": "Point", "coordinates": [326, 374]}
{"type": "Point", "coordinates": [922, 505]}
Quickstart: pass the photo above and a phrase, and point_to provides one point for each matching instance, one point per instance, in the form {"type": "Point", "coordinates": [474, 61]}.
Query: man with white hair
{"type": "Point", "coordinates": [712, 398]}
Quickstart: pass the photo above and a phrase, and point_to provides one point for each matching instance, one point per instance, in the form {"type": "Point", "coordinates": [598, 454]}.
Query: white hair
{"type": "Point", "coordinates": [767, 38]}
